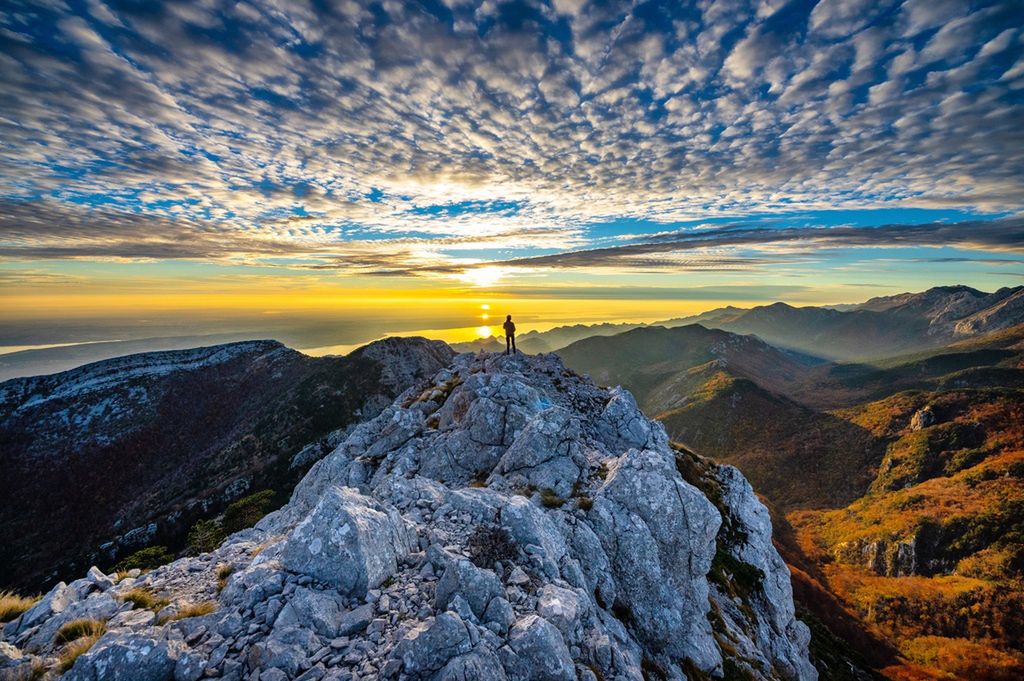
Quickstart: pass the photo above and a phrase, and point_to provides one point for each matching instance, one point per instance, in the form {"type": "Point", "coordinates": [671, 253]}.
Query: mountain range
{"type": "Point", "coordinates": [876, 329]}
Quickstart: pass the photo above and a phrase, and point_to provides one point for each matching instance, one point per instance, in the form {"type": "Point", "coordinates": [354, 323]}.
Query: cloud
{"type": "Point", "coordinates": [784, 244]}
{"type": "Point", "coordinates": [264, 130]}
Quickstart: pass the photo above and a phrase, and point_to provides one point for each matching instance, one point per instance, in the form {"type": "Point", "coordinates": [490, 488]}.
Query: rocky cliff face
{"type": "Point", "coordinates": [511, 521]}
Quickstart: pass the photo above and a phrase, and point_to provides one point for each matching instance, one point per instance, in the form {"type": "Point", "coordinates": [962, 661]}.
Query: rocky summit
{"type": "Point", "coordinates": [506, 520]}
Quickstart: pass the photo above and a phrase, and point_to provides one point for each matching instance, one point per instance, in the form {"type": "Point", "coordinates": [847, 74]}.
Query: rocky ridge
{"type": "Point", "coordinates": [506, 520]}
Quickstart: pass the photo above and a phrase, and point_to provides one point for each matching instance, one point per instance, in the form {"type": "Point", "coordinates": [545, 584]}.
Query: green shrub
{"type": "Point", "coordinates": [146, 559]}
{"type": "Point", "coordinates": [205, 535]}
{"type": "Point", "coordinates": [247, 511]}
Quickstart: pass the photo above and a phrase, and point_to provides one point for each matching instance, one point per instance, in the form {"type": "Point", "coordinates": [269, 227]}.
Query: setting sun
{"type": "Point", "coordinates": [483, 331]}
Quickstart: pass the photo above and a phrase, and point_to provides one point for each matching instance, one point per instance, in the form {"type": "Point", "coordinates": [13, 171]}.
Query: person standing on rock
{"type": "Point", "coordinates": [510, 335]}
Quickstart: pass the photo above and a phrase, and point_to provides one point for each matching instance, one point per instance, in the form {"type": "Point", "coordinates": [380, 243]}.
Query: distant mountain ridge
{"type": "Point", "coordinates": [879, 327]}
{"type": "Point", "coordinates": [109, 457]}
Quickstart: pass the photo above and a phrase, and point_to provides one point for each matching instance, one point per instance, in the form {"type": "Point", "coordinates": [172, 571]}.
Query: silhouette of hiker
{"type": "Point", "coordinates": [510, 335]}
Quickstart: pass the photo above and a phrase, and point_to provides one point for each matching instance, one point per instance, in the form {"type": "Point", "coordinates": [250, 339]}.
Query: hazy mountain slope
{"type": "Point", "coordinates": [130, 451]}
{"type": "Point", "coordinates": [878, 328]}
{"type": "Point", "coordinates": [955, 310]}
{"type": "Point", "coordinates": [657, 363]}
{"type": "Point", "coordinates": [995, 359]}
{"type": "Point", "coordinates": [511, 521]}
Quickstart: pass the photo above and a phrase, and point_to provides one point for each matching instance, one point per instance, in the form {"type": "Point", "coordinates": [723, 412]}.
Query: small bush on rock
{"type": "Point", "coordinates": [205, 535]}
{"type": "Point", "coordinates": [488, 545]}
{"type": "Point", "coordinates": [146, 559]}
{"type": "Point", "coordinates": [247, 511]}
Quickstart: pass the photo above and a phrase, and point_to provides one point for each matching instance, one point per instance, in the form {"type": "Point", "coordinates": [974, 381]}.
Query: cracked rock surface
{"type": "Point", "coordinates": [508, 520]}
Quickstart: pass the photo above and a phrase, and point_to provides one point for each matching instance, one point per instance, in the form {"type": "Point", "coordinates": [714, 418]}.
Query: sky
{"type": "Point", "coordinates": [356, 168]}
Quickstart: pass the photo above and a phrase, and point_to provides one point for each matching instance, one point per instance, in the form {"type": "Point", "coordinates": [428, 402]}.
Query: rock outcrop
{"type": "Point", "coordinates": [513, 521]}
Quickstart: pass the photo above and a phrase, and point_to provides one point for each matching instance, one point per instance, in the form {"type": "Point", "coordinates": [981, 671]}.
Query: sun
{"type": "Point", "coordinates": [483, 277]}
{"type": "Point", "coordinates": [483, 331]}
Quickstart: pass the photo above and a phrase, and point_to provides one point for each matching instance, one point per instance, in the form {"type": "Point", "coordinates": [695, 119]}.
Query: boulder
{"type": "Point", "coordinates": [428, 647]}
{"type": "Point", "coordinates": [562, 607]}
{"type": "Point", "coordinates": [476, 585]}
{"type": "Point", "coordinates": [136, 656]}
{"type": "Point", "coordinates": [540, 652]}
{"type": "Point", "coordinates": [350, 541]}
{"type": "Point", "coordinates": [479, 665]}
{"type": "Point", "coordinates": [320, 610]}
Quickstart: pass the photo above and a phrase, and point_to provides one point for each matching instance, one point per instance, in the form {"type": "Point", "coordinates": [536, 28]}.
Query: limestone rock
{"type": "Point", "coordinates": [349, 540]}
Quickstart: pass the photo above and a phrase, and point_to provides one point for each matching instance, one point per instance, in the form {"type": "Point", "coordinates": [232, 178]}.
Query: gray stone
{"type": "Point", "coordinates": [320, 609]}
{"type": "Point", "coordinates": [477, 585]}
{"type": "Point", "coordinates": [479, 665]}
{"type": "Point", "coordinates": [540, 652]}
{"type": "Point", "coordinates": [140, 656]}
{"type": "Point", "coordinates": [562, 607]}
{"type": "Point", "coordinates": [349, 540]}
{"type": "Point", "coordinates": [429, 646]}
{"type": "Point", "coordinates": [355, 620]}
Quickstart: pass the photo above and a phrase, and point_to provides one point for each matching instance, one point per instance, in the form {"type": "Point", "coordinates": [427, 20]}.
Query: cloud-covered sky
{"type": "Point", "coordinates": [559, 141]}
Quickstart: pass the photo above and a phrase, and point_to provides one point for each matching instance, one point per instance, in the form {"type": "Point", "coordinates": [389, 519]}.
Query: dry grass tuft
{"type": "Point", "coordinates": [191, 610]}
{"type": "Point", "coordinates": [80, 628]}
{"type": "Point", "coordinates": [549, 499]}
{"type": "Point", "coordinates": [224, 571]}
{"type": "Point", "coordinates": [12, 605]}
{"type": "Point", "coordinates": [141, 597]}
{"type": "Point", "coordinates": [74, 650]}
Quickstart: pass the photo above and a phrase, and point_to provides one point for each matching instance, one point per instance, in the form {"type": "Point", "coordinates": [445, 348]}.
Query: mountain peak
{"type": "Point", "coordinates": [511, 520]}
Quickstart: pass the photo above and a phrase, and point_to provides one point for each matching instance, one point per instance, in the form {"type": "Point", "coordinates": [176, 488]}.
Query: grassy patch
{"type": "Point", "coordinates": [141, 597]}
{"type": "Point", "coordinates": [733, 575]}
{"type": "Point", "coordinates": [80, 628]}
{"type": "Point", "coordinates": [12, 605]}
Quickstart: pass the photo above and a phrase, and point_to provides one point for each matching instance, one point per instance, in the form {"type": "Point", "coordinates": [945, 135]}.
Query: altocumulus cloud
{"type": "Point", "coordinates": [391, 136]}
